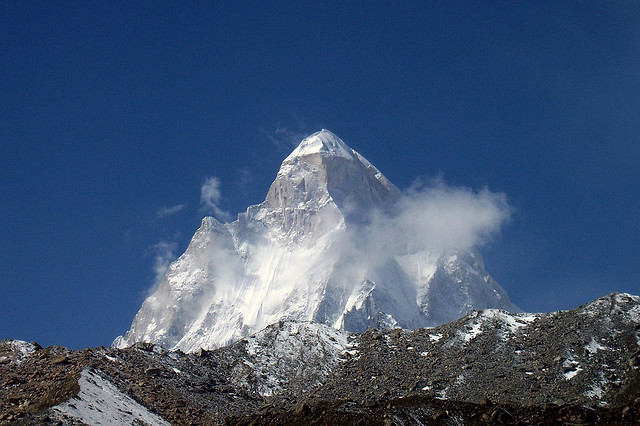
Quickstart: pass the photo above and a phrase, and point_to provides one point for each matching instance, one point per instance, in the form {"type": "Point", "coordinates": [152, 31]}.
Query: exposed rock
{"type": "Point", "coordinates": [488, 367]}
{"type": "Point", "coordinates": [145, 346]}
{"type": "Point", "coordinates": [151, 371]}
{"type": "Point", "coordinates": [60, 360]}
{"type": "Point", "coordinates": [202, 352]}
{"type": "Point", "coordinates": [301, 408]}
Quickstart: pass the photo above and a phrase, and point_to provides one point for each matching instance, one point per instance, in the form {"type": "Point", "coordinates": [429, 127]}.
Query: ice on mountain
{"type": "Point", "coordinates": [307, 254]}
{"type": "Point", "coordinates": [322, 142]}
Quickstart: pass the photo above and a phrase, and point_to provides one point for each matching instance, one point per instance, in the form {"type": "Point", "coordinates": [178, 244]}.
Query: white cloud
{"type": "Point", "coordinates": [445, 217]}
{"type": "Point", "coordinates": [210, 197]}
{"type": "Point", "coordinates": [163, 254]}
{"type": "Point", "coordinates": [168, 211]}
{"type": "Point", "coordinates": [434, 217]}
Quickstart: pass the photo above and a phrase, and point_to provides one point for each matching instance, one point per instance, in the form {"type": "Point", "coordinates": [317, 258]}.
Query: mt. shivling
{"type": "Point", "coordinates": [313, 251]}
{"type": "Point", "coordinates": [340, 300]}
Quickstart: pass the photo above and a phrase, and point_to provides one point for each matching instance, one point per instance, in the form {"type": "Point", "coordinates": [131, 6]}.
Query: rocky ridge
{"type": "Point", "coordinates": [578, 367]}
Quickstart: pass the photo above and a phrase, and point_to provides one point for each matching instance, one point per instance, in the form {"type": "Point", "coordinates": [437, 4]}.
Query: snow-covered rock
{"type": "Point", "coordinates": [589, 355]}
{"type": "Point", "coordinates": [289, 356]}
{"type": "Point", "coordinates": [15, 351]}
{"type": "Point", "coordinates": [302, 255]}
{"type": "Point", "coordinates": [99, 402]}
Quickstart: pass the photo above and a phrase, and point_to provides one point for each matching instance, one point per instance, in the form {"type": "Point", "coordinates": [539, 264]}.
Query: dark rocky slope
{"type": "Point", "coordinates": [575, 367]}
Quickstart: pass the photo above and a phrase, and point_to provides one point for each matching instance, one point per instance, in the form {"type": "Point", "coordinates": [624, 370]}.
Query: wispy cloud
{"type": "Point", "coordinates": [163, 254]}
{"type": "Point", "coordinates": [245, 176]}
{"type": "Point", "coordinates": [210, 196]}
{"type": "Point", "coordinates": [437, 216]}
{"type": "Point", "coordinates": [168, 211]}
{"type": "Point", "coordinates": [287, 137]}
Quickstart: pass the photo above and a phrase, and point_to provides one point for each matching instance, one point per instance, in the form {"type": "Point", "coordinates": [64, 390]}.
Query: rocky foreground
{"type": "Point", "coordinates": [489, 367]}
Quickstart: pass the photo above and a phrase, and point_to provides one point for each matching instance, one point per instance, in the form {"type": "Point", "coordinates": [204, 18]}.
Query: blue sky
{"type": "Point", "coordinates": [113, 114]}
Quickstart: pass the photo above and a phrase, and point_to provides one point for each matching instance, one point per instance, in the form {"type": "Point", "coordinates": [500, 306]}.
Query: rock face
{"type": "Point", "coordinates": [489, 367]}
{"type": "Point", "coordinates": [566, 357]}
{"type": "Point", "coordinates": [303, 255]}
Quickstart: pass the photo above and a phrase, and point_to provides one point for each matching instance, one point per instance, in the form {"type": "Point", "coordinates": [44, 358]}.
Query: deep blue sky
{"type": "Point", "coordinates": [111, 111]}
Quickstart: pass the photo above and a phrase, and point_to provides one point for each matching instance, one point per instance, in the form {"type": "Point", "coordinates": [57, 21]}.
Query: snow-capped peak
{"type": "Point", "coordinates": [323, 142]}
{"type": "Point", "coordinates": [302, 255]}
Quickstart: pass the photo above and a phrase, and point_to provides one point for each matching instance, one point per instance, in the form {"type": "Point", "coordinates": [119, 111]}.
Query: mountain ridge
{"type": "Point", "coordinates": [490, 366]}
{"type": "Point", "coordinates": [307, 254]}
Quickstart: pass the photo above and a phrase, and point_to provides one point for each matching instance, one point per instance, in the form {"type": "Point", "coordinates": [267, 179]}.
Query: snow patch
{"type": "Point", "coordinates": [624, 298]}
{"type": "Point", "coordinates": [435, 337]}
{"type": "Point", "coordinates": [99, 402]}
{"type": "Point", "coordinates": [20, 350]}
{"type": "Point", "coordinates": [514, 322]}
{"type": "Point", "coordinates": [571, 368]}
{"type": "Point", "coordinates": [597, 389]}
{"type": "Point", "coordinates": [352, 352]}
{"type": "Point", "coordinates": [572, 373]}
{"type": "Point", "coordinates": [474, 331]}
{"type": "Point", "coordinates": [595, 392]}
{"type": "Point", "coordinates": [634, 314]}
{"type": "Point", "coordinates": [593, 346]}
{"type": "Point", "coordinates": [294, 348]}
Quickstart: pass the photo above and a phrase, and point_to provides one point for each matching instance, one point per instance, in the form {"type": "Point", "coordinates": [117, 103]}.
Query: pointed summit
{"type": "Point", "coordinates": [324, 173]}
{"type": "Point", "coordinates": [323, 142]}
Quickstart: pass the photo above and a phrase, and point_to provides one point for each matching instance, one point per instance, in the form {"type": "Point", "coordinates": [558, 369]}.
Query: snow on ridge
{"type": "Point", "coordinates": [289, 349]}
{"type": "Point", "coordinates": [513, 321]}
{"type": "Point", "coordinates": [289, 332]}
{"type": "Point", "coordinates": [623, 297]}
{"type": "Point", "coordinates": [99, 402]}
{"type": "Point", "coordinates": [592, 347]}
{"type": "Point", "coordinates": [322, 142]}
{"type": "Point", "coordinates": [615, 301]}
{"type": "Point", "coordinates": [476, 329]}
{"type": "Point", "coordinates": [19, 350]}
{"type": "Point", "coordinates": [572, 367]}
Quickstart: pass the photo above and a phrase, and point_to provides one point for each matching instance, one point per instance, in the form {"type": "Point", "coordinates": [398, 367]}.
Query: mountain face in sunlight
{"type": "Point", "coordinates": [334, 243]}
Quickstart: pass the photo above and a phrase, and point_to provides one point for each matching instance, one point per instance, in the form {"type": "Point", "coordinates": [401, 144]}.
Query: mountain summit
{"type": "Point", "coordinates": [322, 142]}
{"type": "Point", "coordinates": [303, 255]}
{"type": "Point", "coordinates": [321, 184]}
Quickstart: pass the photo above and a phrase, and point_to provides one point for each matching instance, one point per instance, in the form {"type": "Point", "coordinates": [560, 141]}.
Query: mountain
{"type": "Point", "coordinates": [304, 254]}
{"type": "Point", "coordinates": [489, 367]}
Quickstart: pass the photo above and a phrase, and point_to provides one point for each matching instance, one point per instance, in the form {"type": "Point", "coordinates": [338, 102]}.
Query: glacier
{"type": "Point", "coordinates": [306, 254]}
